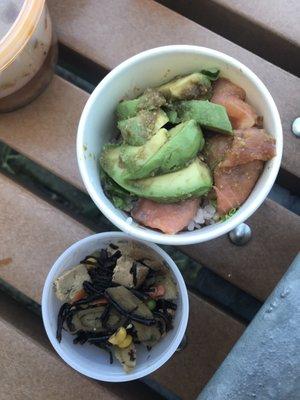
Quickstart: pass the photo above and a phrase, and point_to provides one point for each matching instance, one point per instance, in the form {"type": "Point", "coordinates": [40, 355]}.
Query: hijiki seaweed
{"type": "Point", "coordinates": [114, 301]}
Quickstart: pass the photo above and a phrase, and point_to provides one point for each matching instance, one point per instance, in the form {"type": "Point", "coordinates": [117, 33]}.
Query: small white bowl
{"type": "Point", "coordinates": [149, 69]}
{"type": "Point", "coordinates": [89, 360]}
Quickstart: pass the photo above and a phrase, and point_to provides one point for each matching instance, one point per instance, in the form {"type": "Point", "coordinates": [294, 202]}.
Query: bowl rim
{"type": "Point", "coordinates": [100, 375]}
{"type": "Point", "coordinates": [179, 238]}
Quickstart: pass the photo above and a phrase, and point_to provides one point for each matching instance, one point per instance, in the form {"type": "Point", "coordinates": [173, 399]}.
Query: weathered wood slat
{"type": "Point", "coordinates": [109, 32]}
{"type": "Point", "coordinates": [30, 326]}
{"type": "Point", "coordinates": [45, 130]}
{"type": "Point", "coordinates": [210, 336]}
{"type": "Point", "coordinates": [259, 265]}
{"type": "Point", "coordinates": [268, 28]}
{"type": "Point", "coordinates": [49, 138]}
{"type": "Point", "coordinates": [29, 371]}
{"type": "Point", "coordinates": [279, 17]}
{"type": "Point", "coordinates": [33, 234]}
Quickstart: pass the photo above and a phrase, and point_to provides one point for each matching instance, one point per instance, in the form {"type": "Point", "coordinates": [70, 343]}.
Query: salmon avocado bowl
{"type": "Point", "coordinates": [193, 150]}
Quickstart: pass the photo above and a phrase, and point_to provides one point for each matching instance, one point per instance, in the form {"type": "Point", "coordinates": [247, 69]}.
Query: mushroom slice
{"type": "Point", "coordinates": [129, 273]}
{"type": "Point", "coordinates": [148, 335]}
{"type": "Point", "coordinates": [129, 305]}
{"type": "Point", "coordinates": [69, 283]}
{"type": "Point", "coordinates": [115, 319]}
{"type": "Point", "coordinates": [171, 291]}
{"type": "Point", "coordinates": [88, 320]}
{"type": "Point", "coordinates": [140, 253]}
{"type": "Point", "coordinates": [127, 357]}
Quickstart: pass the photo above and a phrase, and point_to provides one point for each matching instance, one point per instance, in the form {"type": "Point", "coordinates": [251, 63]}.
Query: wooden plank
{"type": "Point", "coordinates": [32, 236]}
{"type": "Point", "coordinates": [49, 138]}
{"type": "Point", "coordinates": [30, 372]}
{"type": "Point", "coordinates": [30, 325]}
{"type": "Point", "coordinates": [268, 28]}
{"type": "Point", "coordinates": [31, 226]}
{"type": "Point", "coordinates": [259, 265]}
{"type": "Point", "coordinates": [278, 16]}
{"type": "Point", "coordinates": [210, 336]}
{"type": "Point", "coordinates": [45, 130]}
{"type": "Point", "coordinates": [109, 32]}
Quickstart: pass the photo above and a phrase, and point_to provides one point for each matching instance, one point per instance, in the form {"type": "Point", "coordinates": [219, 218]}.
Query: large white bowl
{"type": "Point", "coordinates": [151, 68]}
{"type": "Point", "coordinates": [89, 360]}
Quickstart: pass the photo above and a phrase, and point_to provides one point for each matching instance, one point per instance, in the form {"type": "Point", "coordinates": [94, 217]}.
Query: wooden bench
{"type": "Point", "coordinates": [45, 132]}
{"type": "Point", "coordinates": [44, 231]}
{"type": "Point", "coordinates": [268, 28]}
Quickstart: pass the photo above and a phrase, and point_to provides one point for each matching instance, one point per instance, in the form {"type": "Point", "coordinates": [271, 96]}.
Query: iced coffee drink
{"type": "Point", "coordinates": [27, 51]}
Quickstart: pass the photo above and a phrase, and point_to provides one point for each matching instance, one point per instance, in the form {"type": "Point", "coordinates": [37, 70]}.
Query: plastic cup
{"type": "Point", "coordinates": [94, 362]}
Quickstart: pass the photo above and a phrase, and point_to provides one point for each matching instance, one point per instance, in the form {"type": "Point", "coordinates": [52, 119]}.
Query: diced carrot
{"type": "Point", "coordinates": [100, 302]}
{"type": "Point", "coordinates": [78, 295]}
{"type": "Point", "coordinates": [158, 291]}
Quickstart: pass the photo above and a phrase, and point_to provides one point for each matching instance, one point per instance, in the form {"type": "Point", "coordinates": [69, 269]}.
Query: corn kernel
{"type": "Point", "coordinates": [126, 342]}
{"type": "Point", "coordinates": [118, 337]}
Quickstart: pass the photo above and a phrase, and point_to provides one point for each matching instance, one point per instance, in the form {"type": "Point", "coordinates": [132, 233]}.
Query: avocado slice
{"type": "Point", "coordinates": [151, 99]}
{"type": "Point", "coordinates": [184, 142]}
{"type": "Point", "coordinates": [192, 181]}
{"type": "Point", "coordinates": [137, 130]}
{"type": "Point", "coordinates": [135, 157]}
{"type": "Point", "coordinates": [210, 115]}
{"type": "Point", "coordinates": [193, 86]}
{"type": "Point", "coordinates": [172, 115]}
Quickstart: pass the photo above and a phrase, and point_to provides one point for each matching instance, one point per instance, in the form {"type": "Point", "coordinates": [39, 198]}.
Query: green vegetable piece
{"type": "Point", "coordinates": [192, 181]}
{"type": "Point", "coordinates": [228, 215]}
{"type": "Point", "coordinates": [151, 99]}
{"type": "Point", "coordinates": [151, 304]}
{"type": "Point", "coordinates": [121, 198]}
{"type": "Point", "coordinates": [137, 130]}
{"type": "Point", "coordinates": [184, 142]}
{"type": "Point", "coordinates": [173, 117]}
{"type": "Point", "coordinates": [207, 114]}
{"type": "Point", "coordinates": [193, 86]}
{"type": "Point", "coordinates": [211, 73]}
{"type": "Point", "coordinates": [127, 109]}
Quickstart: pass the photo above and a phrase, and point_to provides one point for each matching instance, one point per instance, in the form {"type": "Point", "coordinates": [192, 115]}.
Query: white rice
{"type": "Point", "coordinates": [191, 226]}
{"type": "Point", "coordinates": [206, 215]}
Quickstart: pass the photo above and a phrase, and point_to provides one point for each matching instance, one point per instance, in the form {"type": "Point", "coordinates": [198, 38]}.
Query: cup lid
{"type": "Point", "coordinates": [18, 19]}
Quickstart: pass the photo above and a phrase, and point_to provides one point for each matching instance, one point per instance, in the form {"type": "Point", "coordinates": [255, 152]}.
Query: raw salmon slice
{"type": "Point", "coordinates": [232, 97]}
{"type": "Point", "coordinates": [240, 113]}
{"type": "Point", "coordinates": [234, 185]}
{"type": "Point", "coordinates": [168, 218]}
{"type": "Point", "coordinates": [248, 145]}
{"type": "Point", "coordinates": [224, 87]}
{"type": "Point", "coordinates": [216, 147]}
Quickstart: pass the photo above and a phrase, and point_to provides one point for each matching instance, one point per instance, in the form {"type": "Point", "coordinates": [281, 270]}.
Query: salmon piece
{"type": "Point", "coordinates": [216, 147]}
{"type": "Point", "coordinates": [231, 96]}
{"type": "Point", "coordinates": [234, 185]}
{"type": "Point", "coordinates": [248, 145]}
{"type": "Point", "coordinates": [224, 87]}
{"type": "Point", "coordinates": [240, 113]}
{"type": "Point", "coordinates": [168, 218]}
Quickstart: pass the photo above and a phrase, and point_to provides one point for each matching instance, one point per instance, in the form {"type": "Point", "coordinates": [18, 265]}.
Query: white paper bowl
{"type": "Point", "coordinates": [148, 69]}
{"type": "Point", "coordinates": [94, 362]}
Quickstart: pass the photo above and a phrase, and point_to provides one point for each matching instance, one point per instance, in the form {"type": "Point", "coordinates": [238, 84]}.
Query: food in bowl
{"type": "Point", "coordinates": [117, 299]}
{"type": "Point", "coordinates": [189, 154]}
